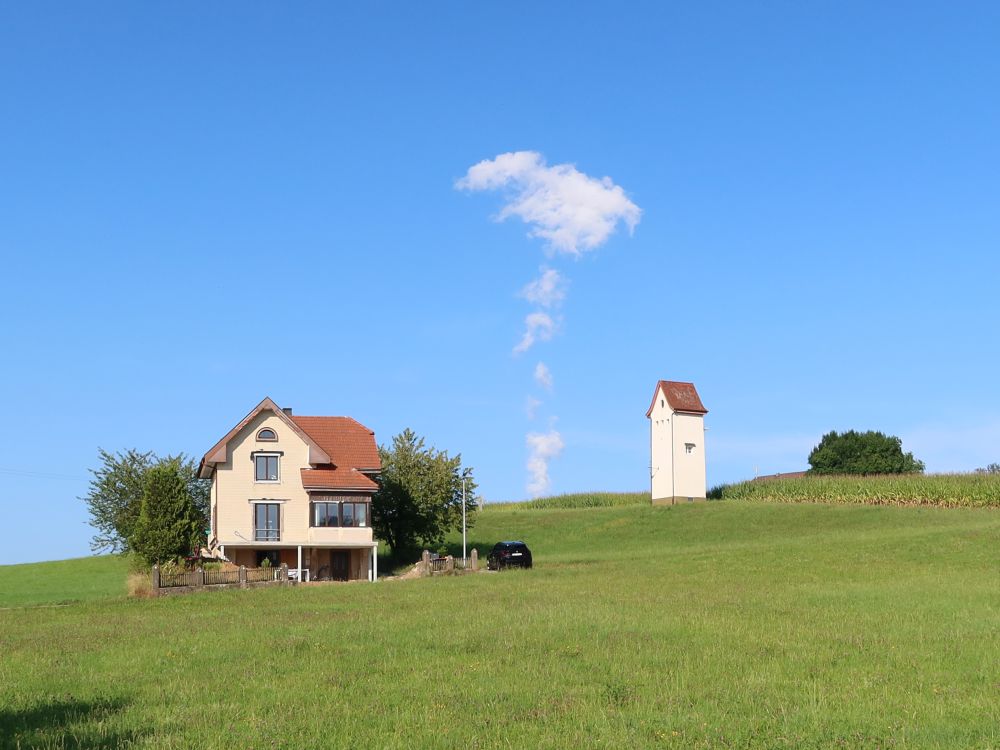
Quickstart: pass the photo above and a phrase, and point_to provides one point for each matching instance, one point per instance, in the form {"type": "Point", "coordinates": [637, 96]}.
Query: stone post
{"type": "Point", "coordinates": [243, 576]}
{"type": "Point", "coordinates": [283, 574]}
{"type": "Point", "coordinates": [474, 560]}
{"type": "Point", "coordinates": [156, 581]}
{"type": "Point", "coordinates": [425, 561]}
{"type": "Point", "coordinates": [449, 565]}
{"type": "Point", "coordinates": [201, 577]}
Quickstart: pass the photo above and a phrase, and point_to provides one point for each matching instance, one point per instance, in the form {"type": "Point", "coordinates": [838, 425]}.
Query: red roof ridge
{"type": "Point", "coordinates": [333, 416]}
{"type": "Point", "coordinates": [681, 395]}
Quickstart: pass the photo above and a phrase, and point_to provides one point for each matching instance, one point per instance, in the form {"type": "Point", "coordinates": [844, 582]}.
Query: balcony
{"type": "Point", "coordinates": [267, 535]}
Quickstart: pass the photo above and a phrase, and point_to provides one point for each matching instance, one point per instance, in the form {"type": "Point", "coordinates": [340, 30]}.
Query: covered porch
{"type": "Point", "coordinates": [310, 562]}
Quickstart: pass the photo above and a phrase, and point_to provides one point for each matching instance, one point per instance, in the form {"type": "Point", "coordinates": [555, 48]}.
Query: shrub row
{"type": "Point", "coordinates": [577, 500]}
{"type": "Point", "coordinates": [948, 490]}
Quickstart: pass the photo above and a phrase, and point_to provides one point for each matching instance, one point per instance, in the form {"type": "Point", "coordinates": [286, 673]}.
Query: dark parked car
{"type": "Point", "coordinates": [509, 555]}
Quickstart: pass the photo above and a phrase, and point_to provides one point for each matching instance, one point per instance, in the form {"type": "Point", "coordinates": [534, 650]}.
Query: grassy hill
{"type": "Point", "coordinates": [729, 625]}
{"type": "Point", "coordinates": [63, 581]}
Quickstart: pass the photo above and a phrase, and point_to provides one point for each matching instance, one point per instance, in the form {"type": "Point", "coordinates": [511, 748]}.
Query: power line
{"type": "Point", "coordinates": [38, 474]}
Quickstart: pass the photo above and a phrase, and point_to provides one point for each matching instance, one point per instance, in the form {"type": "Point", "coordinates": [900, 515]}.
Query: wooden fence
{"type": "Point", "coordinates": [198, 580]}
{"type": "Point", "coordinates": [449, 565]}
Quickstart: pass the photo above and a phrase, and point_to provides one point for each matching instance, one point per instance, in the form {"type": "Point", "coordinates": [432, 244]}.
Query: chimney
{"type": "Point", "coordinates": [287, 410]}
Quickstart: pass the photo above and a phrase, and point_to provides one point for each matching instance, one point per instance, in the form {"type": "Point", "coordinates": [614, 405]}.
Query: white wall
{"type": "Point", "coordinates": [675, 472]}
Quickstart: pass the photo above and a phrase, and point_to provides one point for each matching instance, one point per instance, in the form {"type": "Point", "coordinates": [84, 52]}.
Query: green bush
{"type": "Point", "coordinates": [862, 453]}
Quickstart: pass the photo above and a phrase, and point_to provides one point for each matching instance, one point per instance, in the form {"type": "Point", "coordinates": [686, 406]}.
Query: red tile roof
{"type": "Point", "coordinates": [339, 478]}
{"type": "Point", "coordinates": [680, 396]}
{"type": "Point", "coordinates": [349, 443]}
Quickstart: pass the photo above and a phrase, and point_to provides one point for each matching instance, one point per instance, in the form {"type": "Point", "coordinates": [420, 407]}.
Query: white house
{"type": "Point", "coordinates": [676, 444]}
{"type": "Point", "coordinates": [295, 490]}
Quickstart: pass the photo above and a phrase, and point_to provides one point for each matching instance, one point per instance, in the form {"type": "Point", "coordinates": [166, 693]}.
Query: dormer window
{"type": "Point", "coordinates": [267, 435]}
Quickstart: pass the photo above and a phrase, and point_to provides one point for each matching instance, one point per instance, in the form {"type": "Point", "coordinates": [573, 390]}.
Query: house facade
{"type": "Point", "coordinates": [676, 444]}
{"type": "Point", "coordinates": [295, 490]}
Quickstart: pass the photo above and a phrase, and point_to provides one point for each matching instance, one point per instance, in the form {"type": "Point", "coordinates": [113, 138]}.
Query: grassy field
{"type": "Point", "coordinates": [62, 582]}
{"type": "Point", "coordinates": [947, 490]}
{"type": "Point", "coordinates": [713, 625]}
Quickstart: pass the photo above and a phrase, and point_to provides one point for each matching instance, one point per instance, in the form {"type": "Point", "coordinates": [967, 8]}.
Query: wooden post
{"type": "Point", "coordinates": [425, 559]}
{"type": "Point", "coordinates": [243, 576]}
{"type": "Point", "coordinates": [474, 560]}
{"type": "Point", "coordinates": [156, 580]}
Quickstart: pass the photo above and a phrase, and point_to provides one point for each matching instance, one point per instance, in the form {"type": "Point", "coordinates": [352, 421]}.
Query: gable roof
{"type": "Point", "coordinates": [217, 453]}
{"type": "Point", "coordinates": [681, 397]}
{"type": "Point", "coordinates": [347, 442]}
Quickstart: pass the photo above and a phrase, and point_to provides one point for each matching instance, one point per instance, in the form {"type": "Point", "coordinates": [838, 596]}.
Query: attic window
{"type": "Point", "coordinates": [267, 435]}
{"type": "Point", "coordinates": [661, 403]}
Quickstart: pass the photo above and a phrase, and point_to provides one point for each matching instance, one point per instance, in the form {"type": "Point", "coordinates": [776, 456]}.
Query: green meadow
{"type": "Point", "coordinates": [712, 625]}
{"type": "Point", "coordinates": [63, 582]}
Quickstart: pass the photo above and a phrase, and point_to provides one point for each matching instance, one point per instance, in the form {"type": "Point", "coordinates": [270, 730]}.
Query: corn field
{"type": "Point", "coordinates": [946, 490]}
{"type": "Point", "coordinates": [578, 500]}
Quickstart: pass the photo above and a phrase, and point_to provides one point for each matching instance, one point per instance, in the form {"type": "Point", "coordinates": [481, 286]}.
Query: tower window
{"type": "Point", "coordinates": [689, 447]}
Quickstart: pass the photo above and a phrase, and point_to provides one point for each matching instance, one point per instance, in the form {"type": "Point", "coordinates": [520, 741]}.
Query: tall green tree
{"type": "Point", "coordinates": [115, 497]}
{"type": "Point", "coordinates": [116, 490]}
{"type": "Point", "coordinates": [862, 453]}
{"type": "Point", "coordinates": [170, 525]}
{"type": "Point", "coordinates": [419, 499]}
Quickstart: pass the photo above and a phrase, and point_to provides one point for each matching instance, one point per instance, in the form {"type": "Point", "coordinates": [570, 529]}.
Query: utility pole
{"type": "Point", "coordinates": [464, 477]}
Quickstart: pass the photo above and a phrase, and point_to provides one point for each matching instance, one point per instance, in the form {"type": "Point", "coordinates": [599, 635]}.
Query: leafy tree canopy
{"type": "Point", "coordinates": [420, 494]}
{"type": "Point", "coordinates": [116, 490]}
{"type": "Point", "coordinates": [862, 453]}
{"type": "Point", "coordinates": [170, 525]}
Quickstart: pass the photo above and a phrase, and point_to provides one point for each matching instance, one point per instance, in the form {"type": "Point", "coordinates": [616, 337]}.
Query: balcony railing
{"type": "Point", "coordinates": [267, 535]}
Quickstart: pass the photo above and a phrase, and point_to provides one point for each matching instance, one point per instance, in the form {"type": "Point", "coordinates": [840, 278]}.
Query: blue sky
{"type": "Point", "coordinates": [203, 204]}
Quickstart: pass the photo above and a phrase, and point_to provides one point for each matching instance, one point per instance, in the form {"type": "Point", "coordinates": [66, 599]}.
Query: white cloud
{"type": "Point", "coordinates": [544, 446]}
{"type": "Point", "coordinates": [538, 326]}
{"type": "Point", "coordinates": [531, 405]}
{"type": "Point", "coordinates": [543, 376]}
{"type": "Point", "coordinates": [572, 211]}
{"type": "Point", "coordinates": [548, 290]}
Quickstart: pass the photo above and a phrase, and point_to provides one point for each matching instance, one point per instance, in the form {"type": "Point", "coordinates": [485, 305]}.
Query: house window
{"type": "Point", "coordinates": [267, 435]}
{"type": "Point", "coordinates": [265, 467]}
{"type": "Point", "coordinates": [689, 447]}
{"type": "Point", "coordinates": [344, 513]}
{"type": "Point", "coordinates": [354, 514]}
{"type": "Point", "coordinates": [326, 514]}
{"type": "Point", "coordinates": [266, 522]}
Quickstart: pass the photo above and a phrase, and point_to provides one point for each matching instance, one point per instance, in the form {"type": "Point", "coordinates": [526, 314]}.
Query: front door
{"type": "Point", "coordinates": [340, 564]}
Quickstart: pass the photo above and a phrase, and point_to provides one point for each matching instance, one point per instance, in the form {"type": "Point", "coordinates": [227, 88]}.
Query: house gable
{"type": "Point", "coordinates": [219, 452]}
